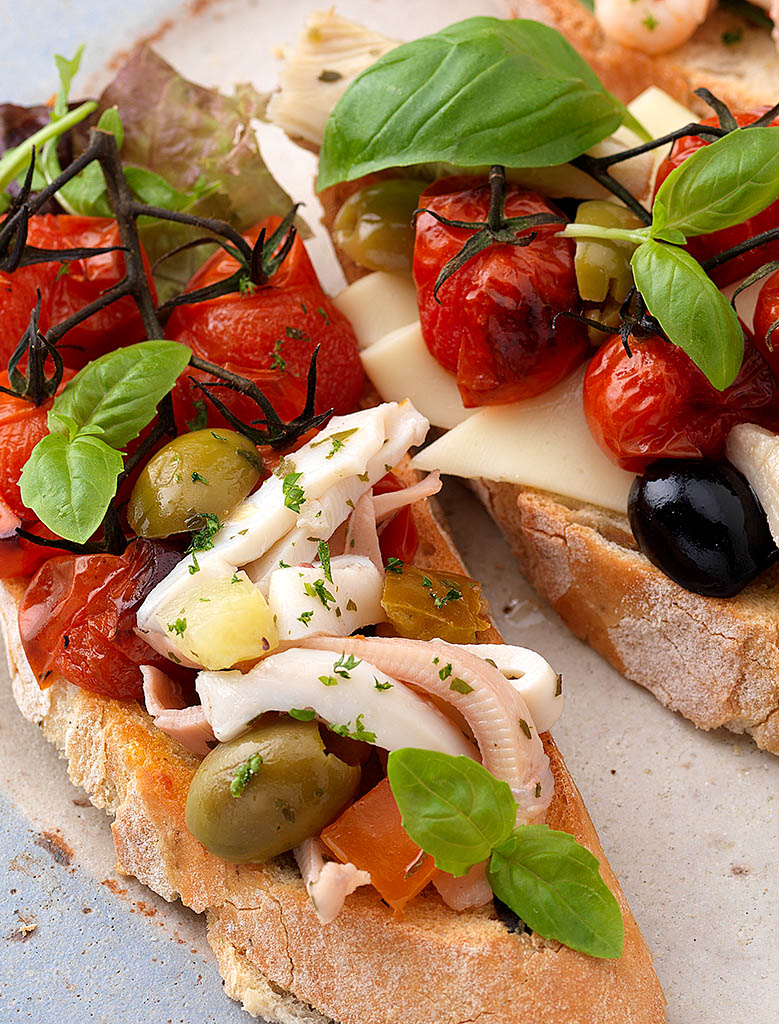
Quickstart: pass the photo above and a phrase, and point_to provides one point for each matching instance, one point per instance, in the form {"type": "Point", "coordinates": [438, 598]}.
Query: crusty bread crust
{"type": "Point", "coordinates": [745, 74]}
{"type": "Point", "coordinates": [714, 660]}
{"type": "Point", "coordinates": [432, 965]}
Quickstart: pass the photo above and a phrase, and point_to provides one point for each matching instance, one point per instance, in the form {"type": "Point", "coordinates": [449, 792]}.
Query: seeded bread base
{"type": "Point", "coordinates": [431, 965]}
{"type": "Point", "coordinates": [744, 74]}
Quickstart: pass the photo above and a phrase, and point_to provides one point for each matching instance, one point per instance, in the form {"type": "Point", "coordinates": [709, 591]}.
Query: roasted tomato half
{"type": "Point", "coordinates": [703, 247]}
{"type": "Point", "coordinates": [77, 618]}
{"type": "Point", "coordinates": [493, 326]}
{"type": "Point", "coordinates": [269, 334]}
{"type": "Point", "coordinates": [67, 287]}
{"type": "Point", "coordinates": [657, 404]}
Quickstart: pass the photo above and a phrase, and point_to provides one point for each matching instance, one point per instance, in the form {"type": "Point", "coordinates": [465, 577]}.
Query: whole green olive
{"type": "Point", "coordinates": [374, 226]}
{"type": "Point", "coordinates": [245, 807]}
{"type": "Point", "coordinates": [203, 471]}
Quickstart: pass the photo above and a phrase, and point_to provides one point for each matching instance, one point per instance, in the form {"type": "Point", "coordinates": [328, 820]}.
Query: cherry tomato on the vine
{"type": "Point", "coordinates": [77, 618]}
{"type": "Point", "coordinates": [493, 327]}
{"type": "Point", "coordinates": [657, 404]}
{"type": "Point", "coordinates": [268, 334]}
{"type": "Point", "coordinates": [703, 247]}
{"type": "Point", "coordinates": [766, 315]}
{"type": "Point", "coordinates": [67, 287]}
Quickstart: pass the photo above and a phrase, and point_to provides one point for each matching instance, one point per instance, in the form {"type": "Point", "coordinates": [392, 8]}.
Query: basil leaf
{"type": "Point", "coordinates": [721, 184]}
{"type": "Point", "coordinates": [119, 392]}
{"type": "Point", "coordinates": [690, 308]}
{"type": "Point", "coordinates": [481, 92]}
{"type": "Point", "coordinates": [69, 483]}
{"type": "Point", "coordinates": [450, 806]}
{"type": "Point", "coordinates": [553, 884]}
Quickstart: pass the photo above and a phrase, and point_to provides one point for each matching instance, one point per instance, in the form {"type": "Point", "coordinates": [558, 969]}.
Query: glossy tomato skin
{"type": "Point", "coordinates": [77, 618]}
{"type": "Point", "coordinates": [22, 425]}
{"type": "Point", "coordinates": [766, 314]}
{"type": "Point", "coordinates": [703, 247]}
{"type": "Point", "coordinates": [493, 327]}
{"type": "Point", "coordinates": [67, 288]}
{"type": "Point", "coordinates": [241, 332]}
{"type": "Point", "coordinates": [400, 537]}
{"type": "Point", "coordinates": [656, 404]}
{"type": "Point", "coordinates": [19, 556]}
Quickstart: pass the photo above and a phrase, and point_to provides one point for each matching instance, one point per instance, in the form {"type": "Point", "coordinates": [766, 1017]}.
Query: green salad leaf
{"type": "Point", "coordinates": [451, 807]}
{"type": "Point", "coordinates": [554, 884]}
{"type": "Point", "coordinates": [691, 309]}
{"type": "Point", "coordinates": [480, 92]}
{"type": "Point", "coordinates": [461, 815]}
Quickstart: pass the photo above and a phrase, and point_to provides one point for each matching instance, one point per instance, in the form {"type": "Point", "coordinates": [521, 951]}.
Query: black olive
{"type": "Point", "coordinates": [701, 523]}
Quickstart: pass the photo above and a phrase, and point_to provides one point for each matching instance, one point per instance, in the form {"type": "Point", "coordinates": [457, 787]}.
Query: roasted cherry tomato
{"type": "Point", "coordinates": [766, 315]}
{"type": "Point", "coordinates": [399, 538]}
{"type": "Point", "coordinates": [657, 404]}
{"type": "Point", "coordinates": [269, 335]}
{"type": "Point", "coordinates": [68, 287]}
{"type": "Point", "coordinates": [77, 618]}
{"type": "Point", "coordinates": [22, 425]}
{"type": "Point", "coordinates": [493, 327]}
{"type": "Point", "coordinates": [703, 247]}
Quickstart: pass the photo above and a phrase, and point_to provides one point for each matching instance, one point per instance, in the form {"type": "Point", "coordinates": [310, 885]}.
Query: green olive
{"type": "Point", "coordinates": [203, 471]}
{"type": "Point", "coordinates": [374, 226]}
{"type": "Point", "coordinates": [603, 266]}
{"type": "Point", "coordinates": [292, 791]}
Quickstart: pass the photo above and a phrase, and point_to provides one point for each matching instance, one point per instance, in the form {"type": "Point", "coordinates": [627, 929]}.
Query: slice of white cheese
{"type": "Point", "coordinates": [377, 304]}
{"type": "Point", "coordinates": [543, 442]}
{"type": "Point", "coordinates": [401, 366]}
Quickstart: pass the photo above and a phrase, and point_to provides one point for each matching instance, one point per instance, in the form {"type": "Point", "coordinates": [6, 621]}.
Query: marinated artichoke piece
{"type": "Point", "coordinates": [223, 622]}
{"type": "Point", "coordinates": [266, 791]}
{"type": "Point", "coordinates": [203, 471]}
{"type": "Point", "coordinates": [603, 266]}
{"type": "Point", "coordinates": [422, 604]}
{"type": "Point", "coordinates": [374, 227]}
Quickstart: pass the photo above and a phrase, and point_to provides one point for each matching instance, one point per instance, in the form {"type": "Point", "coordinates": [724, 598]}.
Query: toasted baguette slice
{"type": "Point", "coordinates": [432, 964]}
{"type": "Point", "coordinates": [744, 72]}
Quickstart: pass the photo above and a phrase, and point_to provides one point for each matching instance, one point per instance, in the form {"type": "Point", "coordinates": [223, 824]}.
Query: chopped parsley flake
{"type": "Point", "coordinates": [198, 479]}
{"type": "Point", "coordinates": [381, 686]}
{"type": "Point", "coordinates": [445, 672]}
{"type": "Point", "coordinates": [177, 627]}
{"type": "Point", "coordinates": [460, 686]}
{"type": "Point", "coordinates": [337, 441]}
{"type": "Point", "coordinates": [295, 333]}
{"type": "Point", "coordinates": [200, 419]}
{"type": "Point", "coordinates": [491, 662]}
{"type": "Point", "coordinates": [236, 578]}
{"type": "Point", "coordinates": [278, 362]}
{"type": "Point", "coordinates": [558, 686]}
{"type": "Point", "coordinates": [195, 567]}
{"type": "Point", "coordinates": [243, 774]}
{"type": "Point", "coordinates": [328, 681]}
{"type": "Point", "coordinates": [733, 36]}
{"type": "Point", "coordinates": [283, 564]}
{"type": "Point", "coordinates": [323, 548]}
{"type": "Point", "coordinates": [365, 477]}
{"type": "Point", "coordinates": [395, 565]}
{"type": "Point", "coordinates": [174, 657]}
{"type": "Point", "coordinates": [303, 714]}
{"type": "Point", "coordinates": [305, 617]}
{"type": "Point", "coordinates": [453, 593]}
{"type": "Point", "coordinates": [538, 790]}
{"type": "Point", "coordinates": [322, 312]}
{"type": "Point", "coordinates": [345, 664]}
{"type": "Point", "coordinates": [651, 22]}
{"type": "Point", "coordinates": [524, 727]}
{"type": "Point", "coordinates": [202, 541]}
{"type": "Point", "coordinates": [217, 436]}
{"type": "Point", "coordinates": [358, 733]}
{"type": "Point", "coordinates": [319, 590]}
{"type": "Point", "coordinates": [351, 606]}
{"type": "Point", "coordinates": [294, 496]}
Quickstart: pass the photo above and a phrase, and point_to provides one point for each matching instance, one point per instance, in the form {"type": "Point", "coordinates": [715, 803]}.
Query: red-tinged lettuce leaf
{"type": "Point", "coordinates": [19, 123]}
{"type": "Point", "coordinates": [185, 132]}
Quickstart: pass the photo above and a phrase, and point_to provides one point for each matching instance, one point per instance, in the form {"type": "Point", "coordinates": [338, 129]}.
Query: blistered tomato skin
{"type": "Point", "coordinates": [67, 288]}
{"type": "Point", "coordinates": [493, 327]}
{"type": "Point", "coordinates": [269, 336]}
{"type": "Point", "coordinates": [701, 524]}
{"type": "Point", "coordinates": [77, 618]}
{"type": "Point", "coordinates": [703, 247]}
{"type": "Point", "coordinates": [657, 404]}
{"type": "Point", "coordinates": [766, 315]}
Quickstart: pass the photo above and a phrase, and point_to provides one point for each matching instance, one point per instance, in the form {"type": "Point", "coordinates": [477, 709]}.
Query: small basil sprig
{"type": "Point", "coordinates": [481, 92]}
{"type": "Point", "coordinates": [70, 477]}
{"type": "Point", "coordinates": [716, 187]}
{"type": "Point", "coordinates": [460, 814]}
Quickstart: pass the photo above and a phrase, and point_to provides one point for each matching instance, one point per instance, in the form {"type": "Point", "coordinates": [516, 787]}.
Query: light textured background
{"type": "Point", "coordinates": [689, 820]}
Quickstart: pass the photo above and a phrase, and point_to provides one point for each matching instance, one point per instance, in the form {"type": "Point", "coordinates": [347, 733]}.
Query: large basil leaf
{"type": "Point", "coordinates": [721, 184]}
{"type": "Point", "coordinates": [692, 311]}
{"type": "Point", "coordinates": [553, 884]}
{"type": "Point", "coordinates": [450, 806]}
{"type": "Point", "coordinates": [69, 483]}
{"type": "Point", "coordinates": [483, 91]}
{"type": "Point", "coordinates": [117, 394]}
